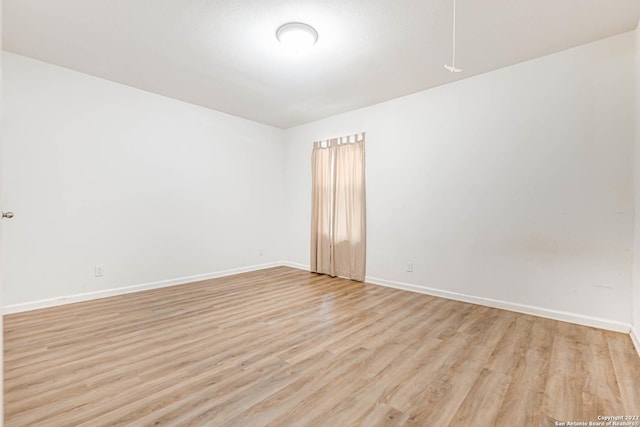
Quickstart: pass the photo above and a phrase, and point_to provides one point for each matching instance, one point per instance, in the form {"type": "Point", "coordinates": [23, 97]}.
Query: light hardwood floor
{"type": "Point", "coordinates": [286, 347]}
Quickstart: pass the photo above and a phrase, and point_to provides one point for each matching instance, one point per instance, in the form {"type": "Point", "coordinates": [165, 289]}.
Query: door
{"type": "Point", "coordinates": [2, 221]}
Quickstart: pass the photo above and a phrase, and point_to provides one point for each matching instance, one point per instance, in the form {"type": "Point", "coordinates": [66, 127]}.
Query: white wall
{"type": "Point", "coordinates": [149, 187]}
{"type": "Point", "coordinates": [516, 185]}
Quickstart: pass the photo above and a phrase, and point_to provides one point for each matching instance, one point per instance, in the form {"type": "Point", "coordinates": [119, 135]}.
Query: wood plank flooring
{"type": "Point", "coordinates": [283, 347]}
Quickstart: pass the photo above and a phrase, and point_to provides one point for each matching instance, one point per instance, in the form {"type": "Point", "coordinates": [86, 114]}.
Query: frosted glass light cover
{"type": "Point", "coordinates": [297, 35]}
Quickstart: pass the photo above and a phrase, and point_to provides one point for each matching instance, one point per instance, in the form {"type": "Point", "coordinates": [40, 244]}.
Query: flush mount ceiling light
{"type": "Point", "coordinates": [297, 35]}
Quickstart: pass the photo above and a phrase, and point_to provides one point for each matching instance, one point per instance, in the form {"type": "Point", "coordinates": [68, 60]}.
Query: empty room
{"type": "Point", "coordinates": [320, 213]}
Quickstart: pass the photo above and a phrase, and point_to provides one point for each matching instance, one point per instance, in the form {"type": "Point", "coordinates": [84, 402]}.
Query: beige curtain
{"type": "Point", "coordinates": [321, 203]}
{"type": "Point", "coordinates": [349, 215]}
{"type": "Point", "coordinates": [338, 225]}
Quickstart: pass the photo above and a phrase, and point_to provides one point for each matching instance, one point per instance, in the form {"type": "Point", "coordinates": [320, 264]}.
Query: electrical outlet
{"type": "Point", "coordinates": [409, 267]}
{"type": "Point", "coordinates": [99, 270]}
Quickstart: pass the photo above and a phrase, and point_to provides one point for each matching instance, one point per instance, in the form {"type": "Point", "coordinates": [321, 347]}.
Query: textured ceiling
{"type": "Point", "coordinates": [223, 54]}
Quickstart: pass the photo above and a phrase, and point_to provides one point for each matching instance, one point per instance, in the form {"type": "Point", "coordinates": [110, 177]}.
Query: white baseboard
{"type": "Point", "coordinates": [564, 316]}
{"type": "Point", "coordinates": [579, 319]}
{"type": "Point", "coordinates": [52, 302]}
{"type": "Point", "coordinates": [295, 265]}
{"type": "Point", "coordinates": [596, 322]}
{"type": "Point", "coordinates": [635, 337]}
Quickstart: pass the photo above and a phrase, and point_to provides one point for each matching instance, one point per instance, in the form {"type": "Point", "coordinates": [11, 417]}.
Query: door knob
{"type": "Point", "coordinates": [7, 215]}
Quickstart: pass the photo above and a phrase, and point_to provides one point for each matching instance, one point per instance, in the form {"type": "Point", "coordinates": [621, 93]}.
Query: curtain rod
{"type": "Point", "coordinates": [341, 140]}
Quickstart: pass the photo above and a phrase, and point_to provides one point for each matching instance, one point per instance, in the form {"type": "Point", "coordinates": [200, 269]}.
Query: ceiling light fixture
{"type": "Point", "coordinates": [297, 35]}
{"type": "Point", "coordinates": [452, 67]}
